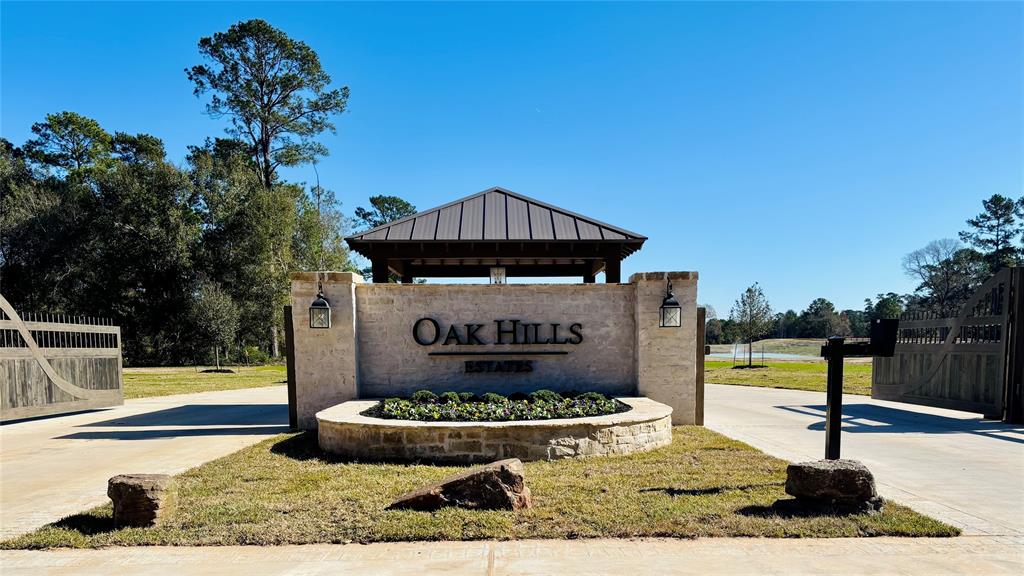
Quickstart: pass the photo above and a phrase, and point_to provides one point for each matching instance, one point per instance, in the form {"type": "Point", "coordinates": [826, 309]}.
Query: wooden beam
{"type": "Point", "coordinates": [380, 270]}
{"type": "Point", "coordinates": [612, 269]}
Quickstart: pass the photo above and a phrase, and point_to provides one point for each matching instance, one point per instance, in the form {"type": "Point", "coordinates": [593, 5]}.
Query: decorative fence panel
{"type": "Point", "coordinates": [52, 364]}
{"type": "Point", "coordinates": [969, 362]}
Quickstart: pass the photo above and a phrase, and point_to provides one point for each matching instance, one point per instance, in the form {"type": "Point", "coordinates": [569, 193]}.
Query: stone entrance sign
{"type": "Point", "coordinates": [393, 339]}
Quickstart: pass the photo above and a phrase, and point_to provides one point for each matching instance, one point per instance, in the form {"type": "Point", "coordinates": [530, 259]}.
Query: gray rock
{"type": "Point", "coordinates": [844, 483]}
{"type": "Point", "coordinates": [499, 485]}
{"type": "Point", "coordinates": [140, 500]}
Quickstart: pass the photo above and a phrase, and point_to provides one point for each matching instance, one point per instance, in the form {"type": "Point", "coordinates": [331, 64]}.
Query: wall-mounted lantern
{"type": "Point", "coordinates": [320, 312]}
{"type": "Point", "coordinates": [671, 311]}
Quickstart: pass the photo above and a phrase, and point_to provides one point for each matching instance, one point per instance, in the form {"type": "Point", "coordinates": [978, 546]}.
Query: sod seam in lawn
{"type": "Point", "coordinates": [285, 491]}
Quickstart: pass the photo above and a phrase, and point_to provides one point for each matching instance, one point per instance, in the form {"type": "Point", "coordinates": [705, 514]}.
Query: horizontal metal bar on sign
{"type": "Point", "coordinates": [503, 353]}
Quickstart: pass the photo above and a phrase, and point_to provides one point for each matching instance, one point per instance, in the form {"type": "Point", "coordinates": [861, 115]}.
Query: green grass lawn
{"type": "Point", "coordinates": [285, 491]}
{"type": "Point", "coordinates": [791, 375]}
{"type": "Point", "coordinates": [802, 346]}
{"type": "Point", "coordinates": [147, 382]}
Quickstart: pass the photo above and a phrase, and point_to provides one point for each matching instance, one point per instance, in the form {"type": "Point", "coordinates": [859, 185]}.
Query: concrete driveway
{"type": "Point", "coordinates": [950, 465]}
{"type": "Point", "coordinates": [55, 466]}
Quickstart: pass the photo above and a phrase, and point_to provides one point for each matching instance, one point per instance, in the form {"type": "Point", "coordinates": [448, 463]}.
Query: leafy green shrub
{"type": "Point", "coordinates": [424, 406]}
{"type": "Point", "coordinates": [253, 355]}
{"type": "Point", "coordinates": [467, 397]}
{"type": "Point", "coordinates": [451, 397]}
{"type": "Point", "coordinates": [545, 396]}
{"type": "Point", "coordinates": [492, 398]}
{"type": "Point", "coordinates": [518, 396]}
{"type": "Point", "coordinates": [424, 397]}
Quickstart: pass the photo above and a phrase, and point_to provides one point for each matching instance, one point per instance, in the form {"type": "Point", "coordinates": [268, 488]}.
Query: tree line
{"type": "Point", "coordinates": [948, 271]}
{"type": "Point", "coordinates": [192, 261]}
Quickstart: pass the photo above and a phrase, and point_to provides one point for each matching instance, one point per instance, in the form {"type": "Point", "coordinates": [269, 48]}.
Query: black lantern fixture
{"type": "Point", "coordinates": [671, 311]}
{"type": "Point", "coordinates": [320, 311]}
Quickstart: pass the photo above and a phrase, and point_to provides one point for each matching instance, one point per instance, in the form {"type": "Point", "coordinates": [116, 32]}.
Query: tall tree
{"type": "Point", "coordinates": [992, 232]}
{"type": "Point", "coordinates": [753, 317]}
{"type": "Point", "coordinates": [68, 141]}
{"type": "Point", "coordinates": [947, 275]}
{"type": "Point", "coordinates": [888, 305]}
{"type": "Point", "coordinates": [215, 317]}
{"type": "Point", "coordinates": [383, 209]}
{"type": "Point", "coordinates": [857, 321]}
{"type": "Point", "coordinates": [1020, 224]}
{"type": "Point", "coordinates": [248, 236]}
{"type": "Point", "coordinates": [820, 320]}
{"type": "Point", "coordinates": [319, 233]}
{"type": "Point", "coordinates": [274, 91]}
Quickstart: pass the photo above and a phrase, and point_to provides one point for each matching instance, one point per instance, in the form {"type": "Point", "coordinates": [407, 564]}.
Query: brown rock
{"type": "Point", "coordinates": [837, 482]}
{"type": "Point", "coordinates": [499, 485]}
{"type": "Point", "coordinates": [140, 500]}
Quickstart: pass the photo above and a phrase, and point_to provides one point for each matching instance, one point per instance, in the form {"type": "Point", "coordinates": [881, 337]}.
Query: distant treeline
{"type": "Point", "coordinates": [192, 261]}
{"type": "Point", "coordinates": [948, 272]}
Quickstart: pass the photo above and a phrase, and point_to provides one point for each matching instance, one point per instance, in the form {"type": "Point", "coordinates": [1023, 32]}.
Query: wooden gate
{"type": "Point", "coordinates": [970, 362]}
{"type": "Point", "coordinates": [52, 364]}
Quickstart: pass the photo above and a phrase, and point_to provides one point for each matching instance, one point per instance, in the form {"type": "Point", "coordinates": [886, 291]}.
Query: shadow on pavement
{"type": "Point", "coordinates": [174, 433]}
{"type": "Point", "coordinates": [204, 415]}
{"type": "Point", "coordinates": [871, 418]}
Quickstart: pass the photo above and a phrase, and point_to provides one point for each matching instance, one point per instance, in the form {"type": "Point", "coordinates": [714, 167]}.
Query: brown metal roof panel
{"type": "Point", "coordinates": [518, 213]}
{"type": "Point", "coordinates": [401, 231]}
{"type": "Point", "coordinates": [625, 233]}
{"type": "Point", "coordinates": [472, 219]}
{"type": "Point", "coordinates": [610, 234]}
{"type": "Point", "coordinates": [448, 222]}
{"type": "Point", "coordinates": [587, 230]}
{"type": "Point", "coordinates": [540, 223]}
{"type": "Point", "coordinates": [565, 226]}
{"type": "Point", "coordinates": [381, 234]}
{"type": "Point", "coordinates": [494, 216]}
{"type": "Point", "coordinates": [425, 226]}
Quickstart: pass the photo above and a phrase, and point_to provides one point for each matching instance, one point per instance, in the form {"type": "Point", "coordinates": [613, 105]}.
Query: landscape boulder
{"type": "Point", "coordinates": [840, 483]}
{"type": "Point", "coordinates": [140, 500]}
{"type": "Point", "coordinates": [499, 485]}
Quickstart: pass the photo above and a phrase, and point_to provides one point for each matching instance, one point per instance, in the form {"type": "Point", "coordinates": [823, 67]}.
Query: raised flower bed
{"type": "Point", "coordinates": [354, 430]}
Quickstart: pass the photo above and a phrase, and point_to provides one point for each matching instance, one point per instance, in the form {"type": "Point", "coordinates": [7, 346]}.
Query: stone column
{"type": "Point", "coordinates": [325, 359]}
{"type": "Point", "coordinates": [667, 357]}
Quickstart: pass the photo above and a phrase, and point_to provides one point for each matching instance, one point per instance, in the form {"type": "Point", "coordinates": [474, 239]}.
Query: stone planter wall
{"type": "Point", "coordinates": [345, 432]}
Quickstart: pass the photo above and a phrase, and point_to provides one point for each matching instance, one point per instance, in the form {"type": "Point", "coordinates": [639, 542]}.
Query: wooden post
{"type": "Point", "coordinates": [613, 269]}
{"type": "Point", "coordinates": [699, 408]}
{"type": "Point", "coordinates": [380, 271]}
{"type": "Point", "coordinates": [588, 279]}
{"type": "Point", "coordinates": [1013, 370]}
{"type": "Point", "coordinates": [289, 354]}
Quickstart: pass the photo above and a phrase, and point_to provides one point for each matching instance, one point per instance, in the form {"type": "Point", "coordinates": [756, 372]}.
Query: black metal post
{"type": "Point", "coordinates": [834, 397]}
{"type": "Point", "coordinates": [289, 354]}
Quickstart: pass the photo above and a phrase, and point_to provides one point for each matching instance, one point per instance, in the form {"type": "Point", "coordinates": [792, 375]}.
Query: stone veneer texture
{"type": "Point", "coordinates": [344, 431]}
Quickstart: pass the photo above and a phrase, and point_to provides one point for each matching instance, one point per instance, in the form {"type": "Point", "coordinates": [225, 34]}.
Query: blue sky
{"type": "Point", "coordinates": [746, 141]}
